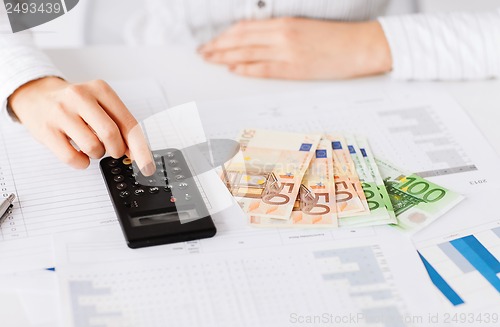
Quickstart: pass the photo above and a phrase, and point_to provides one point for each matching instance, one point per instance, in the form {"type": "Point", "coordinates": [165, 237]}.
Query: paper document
{"type": "Point", "coordinates": [244, 277]}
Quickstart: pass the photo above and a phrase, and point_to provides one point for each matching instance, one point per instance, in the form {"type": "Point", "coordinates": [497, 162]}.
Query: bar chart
{"type": "Point", "coordinates": [466, 270]}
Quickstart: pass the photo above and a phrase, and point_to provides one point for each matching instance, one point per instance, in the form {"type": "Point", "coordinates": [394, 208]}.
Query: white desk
{"type": "Point", "coordinates": [186, 77]}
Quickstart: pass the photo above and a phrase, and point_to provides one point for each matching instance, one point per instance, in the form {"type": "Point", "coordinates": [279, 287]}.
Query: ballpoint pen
{"type": "Point", "coordinates": [6, 207]}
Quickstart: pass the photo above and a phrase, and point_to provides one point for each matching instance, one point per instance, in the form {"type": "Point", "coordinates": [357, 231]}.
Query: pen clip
{"type": "Point", "coordinates": [6, 213]}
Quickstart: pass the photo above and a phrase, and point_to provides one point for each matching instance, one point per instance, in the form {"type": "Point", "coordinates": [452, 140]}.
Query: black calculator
{"type": "Point", "coordinates": [166, 207]}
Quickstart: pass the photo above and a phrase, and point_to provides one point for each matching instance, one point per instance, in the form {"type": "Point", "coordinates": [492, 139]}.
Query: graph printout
{"type": "Point", "coordinates": [467, 269]}
{"type": "Point", "coordinates": [246, 278]}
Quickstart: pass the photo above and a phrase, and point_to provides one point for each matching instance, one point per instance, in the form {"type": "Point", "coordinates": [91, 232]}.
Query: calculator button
{"type": "Point", "coordinates": [180, 177]}
{"type": "Point", "coordinates": [156, 156]}
{"type": "Point", "coordinates": [124, 194]}
{"type": "Point", "coordinates": [154, 190]}
{"type": "Point", "coordinates": [113, 163]}
{"type": "Point", "coordinates": [161, 172]}
{"type": "Point", "coordinates": [135, 184]}
{"type": "Point", "coordinates": [152, 181]}
{"type": "Point", "coordinates": [131, 204]}
{"type": "Point", "coordinates": [139, 191]}
{"type": "Point", "coordinates": [187, 197]}
{"type": "Point", "coordinates": [116, 170]}
{"type": "Point", "coordinates": [127, 161]}
{"type": "Point", "coordinates": [168, 188]}
{"type": "Point", "coordinates": [173, 163]}
{"type": "Point", "coordinates": [130, 168]}
{"type": "Point", "coordinates": [172, 199]}
{"type": "Point", "coordinates": [176, 170]}
{"type": "Point", "coordinates": [132, 176]}
{"type": "Point", "coordinates": [121, 186]}
{"type": "Point", "coordinates": [170, 155]}
{"type": "Point", "coordinates": [118, 178]}
{"type": "Point", "coordinates": [183, 186]}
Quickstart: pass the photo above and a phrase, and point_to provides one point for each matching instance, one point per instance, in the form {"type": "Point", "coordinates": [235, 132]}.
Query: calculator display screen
{"type": "Point", "coordinates": [162, 218]}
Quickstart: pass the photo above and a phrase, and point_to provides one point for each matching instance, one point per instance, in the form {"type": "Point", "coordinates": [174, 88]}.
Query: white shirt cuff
{"type": "Point", "coordinates": [448, 46]}
{"type": "Point", "coordinates": [20, 65]}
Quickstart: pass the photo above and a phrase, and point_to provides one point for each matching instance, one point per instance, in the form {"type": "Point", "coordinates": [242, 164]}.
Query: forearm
{"type": "Point", "coordinates": [453, 46]}
{"type": "Point", "coordinates": [20, 60]}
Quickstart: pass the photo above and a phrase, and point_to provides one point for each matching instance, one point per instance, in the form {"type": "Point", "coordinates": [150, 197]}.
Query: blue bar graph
{"type": "Point", "coordinates": [484, 262]}
{"type": "Point", "coordinates": [441, 283]}
{"type": "Point", "coordinates": [457, 258]}
{"type": "Point", "coordinates": [470, 256]}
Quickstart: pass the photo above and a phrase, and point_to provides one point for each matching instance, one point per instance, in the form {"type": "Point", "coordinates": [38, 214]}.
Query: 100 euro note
{"type": "Point", "coordinates": [379, 214]}
{"type": "Point", "coordinates": [315, 205]}
{"type": "Point", "coordinates": [350, 198]}
{"type": "Point", "coordinates": [417, 202]}
{"type": "Point", "coordinates": [266, 175]}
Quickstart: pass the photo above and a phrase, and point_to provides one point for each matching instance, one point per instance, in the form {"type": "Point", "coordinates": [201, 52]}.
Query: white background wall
{"type": "Point", "coordinates": [68, 31]}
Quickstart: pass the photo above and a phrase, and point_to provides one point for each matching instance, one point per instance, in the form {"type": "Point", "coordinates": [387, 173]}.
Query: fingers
{"type": "Point", "coordinates": [59, 144]}
{"type": "Point", "coordinates": [267, 70]}
{"type": "Point", "coordinates": [89, 115]}
{"type": "Point", "coordinates": [243, 55]}
{"type": "Point", "coordinates": [251, 33]}
{"type": "Point", "coordinates": [105, 128]}
{"type": "Point", "coordinates": [238, 40]}
{"type": "Point", "coordinates": [264, 25]}
{"type": "Point", "coordinates": [77, 130]}
{"type": "Point", "coordinates": [115, 128]}
{"type": "Point", "coordinates": [140, 152]}
{"type": "Point", "coordinates": [129, 128]}
{"type": "Point", "coordinates": [263, 48]}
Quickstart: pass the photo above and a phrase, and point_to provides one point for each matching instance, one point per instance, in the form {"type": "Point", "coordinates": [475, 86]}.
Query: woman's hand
{"type": "Point", "coordinates": [295, 48]}
{"type": "Point", "coordinates": [90, 114]}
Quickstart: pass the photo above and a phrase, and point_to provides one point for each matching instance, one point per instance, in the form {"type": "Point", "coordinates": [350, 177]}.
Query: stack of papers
{"type": "Point", "coordinates": [370, 276]}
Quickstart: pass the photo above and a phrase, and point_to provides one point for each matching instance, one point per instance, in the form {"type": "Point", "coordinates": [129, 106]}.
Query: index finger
{"type": "Point", "coordinates": [129, 127]}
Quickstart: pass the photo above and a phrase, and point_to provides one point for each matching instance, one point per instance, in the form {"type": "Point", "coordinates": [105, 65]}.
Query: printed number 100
{"type": "Point", "coordinates": [422, 189]}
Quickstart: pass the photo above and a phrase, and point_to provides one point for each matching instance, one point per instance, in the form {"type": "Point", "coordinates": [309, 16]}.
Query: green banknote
{"type": "Point", "coordinates": [371, 164]}
{"type": "Point", "coordinates": [378, 213]}
{"type": "Point", "coordinates": [417, 202]}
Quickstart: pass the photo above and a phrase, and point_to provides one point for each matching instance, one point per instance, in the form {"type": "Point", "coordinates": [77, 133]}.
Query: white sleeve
{"type": "Point", "coordinates": [446, 46]}
{"type": "Point", "coordinates": [20, 60]}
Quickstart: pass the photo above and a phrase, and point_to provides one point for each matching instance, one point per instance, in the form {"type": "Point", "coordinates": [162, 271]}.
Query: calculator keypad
{"type": "Point", "coordinates": [166, 207]}
{"type": "Point", "coordinates": [137, 191]}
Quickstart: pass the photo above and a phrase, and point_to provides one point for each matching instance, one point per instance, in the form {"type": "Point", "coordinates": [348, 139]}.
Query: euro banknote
{"type": "Point", "coordinates": [265, 177]}
{"type": "Point", "coordinates": [417, 202]}
{"type": "Point", "coordinates": [312, 180]}
{"type": "Point", "coordinates": [351, 200]}
{"type": "Point", "coordinates": [315, 205]}
{"type": "Point", "coordinates": [378, 213]}
{"type": "Point", "coordinates": [371, 164]}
